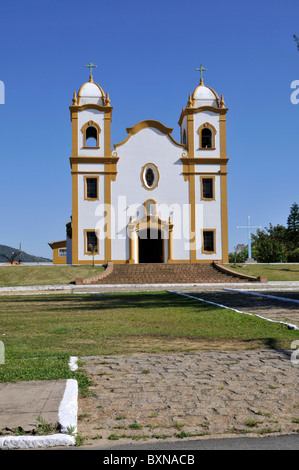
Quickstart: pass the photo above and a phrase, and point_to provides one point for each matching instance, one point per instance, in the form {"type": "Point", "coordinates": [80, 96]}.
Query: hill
{"type": "Point", "coordinates": [25, 257]}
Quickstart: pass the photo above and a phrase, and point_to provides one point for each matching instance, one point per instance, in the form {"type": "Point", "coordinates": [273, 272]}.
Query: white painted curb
{"type": "Point", "coordinates": [289, 325]}
{"type": "Point", "coordinates": [33, 442]}
{"type": "Point", "coordinates": [67, 419]}
{"type": "Point", "coordinates": [68, 410]}
{"type": "Point", "coordinates": [275, 297]}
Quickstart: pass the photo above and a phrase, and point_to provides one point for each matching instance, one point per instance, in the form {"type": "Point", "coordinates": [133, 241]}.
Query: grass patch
{"type": "Point", "coordinates": [274, 272]}
{"type": "Point", "coordinates": [40, 333]}
{"type": "Point", "coordinates": [44, 275]}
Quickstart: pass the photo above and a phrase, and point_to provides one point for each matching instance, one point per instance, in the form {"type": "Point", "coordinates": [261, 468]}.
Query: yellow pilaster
{"type": "Point", "coordinates": [190, 133]}
{"type": "Point", "coordinates": [170, 242]}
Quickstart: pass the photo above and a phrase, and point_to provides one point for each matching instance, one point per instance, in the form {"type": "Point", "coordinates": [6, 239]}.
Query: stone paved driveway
{"type": "Point", "coordinates": [212, 393]}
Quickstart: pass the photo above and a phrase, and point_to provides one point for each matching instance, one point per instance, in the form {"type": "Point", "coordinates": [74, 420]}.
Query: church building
{"type": "Point", "coordinates": [149, 198]}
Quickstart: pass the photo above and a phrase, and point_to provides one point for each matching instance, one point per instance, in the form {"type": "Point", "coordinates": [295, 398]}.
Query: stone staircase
{"type": "Point", "coordinates": [159, 273]}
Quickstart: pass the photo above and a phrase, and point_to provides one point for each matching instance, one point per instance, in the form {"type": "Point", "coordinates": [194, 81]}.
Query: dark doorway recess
{"type": "Point", "coordinates": [150, 246]}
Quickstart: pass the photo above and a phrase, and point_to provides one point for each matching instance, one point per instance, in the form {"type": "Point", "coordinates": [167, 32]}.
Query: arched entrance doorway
{"type": "Point", "coordinates": [150, 246]}
{"type": "Point", "coordinates": [150, 238]}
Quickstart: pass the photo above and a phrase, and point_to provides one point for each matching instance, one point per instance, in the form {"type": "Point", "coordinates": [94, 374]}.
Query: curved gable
{"type": "Point", "coordinates": [149, 123]}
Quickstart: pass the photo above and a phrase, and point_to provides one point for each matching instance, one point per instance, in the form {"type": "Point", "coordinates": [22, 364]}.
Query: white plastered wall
{"type": "Point", "coordinates": [208, 213]}
{"type": "Point", "coordinates": [84, 117]}
{"type": "Point", "coordinates": [150, 145]}
{"type": "Point", "coordinates": [91, 213]}
{"type": "Point", "coordinates": [202, 118]}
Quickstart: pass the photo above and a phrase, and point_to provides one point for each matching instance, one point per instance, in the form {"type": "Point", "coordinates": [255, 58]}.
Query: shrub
{"type": "Point", "coordinates": [238, 257]}
{"type": "Point", "coordinates": [294, 256]}
{"type": "Point", "coordinates": [269, 250]}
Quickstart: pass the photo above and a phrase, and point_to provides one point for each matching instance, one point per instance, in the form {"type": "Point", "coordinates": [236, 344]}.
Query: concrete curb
{"type": "Point", "coordinates": [289, 325]}
{"type": "Point", "coordinates": [67, 419]}
{"type": "Point", "coordinates": [274, 297]}
{"type": "Point", "coordinates": [34, 442]}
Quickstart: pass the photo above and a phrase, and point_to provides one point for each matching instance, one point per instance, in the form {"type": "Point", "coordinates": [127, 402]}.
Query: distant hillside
{"type": "Point", "coordinates": [25, 257]}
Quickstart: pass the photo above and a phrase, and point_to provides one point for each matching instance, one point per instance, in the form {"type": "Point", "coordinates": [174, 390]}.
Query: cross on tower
{"type": "Point", "coordinates": [249, 229]}
{"type": "Point", "coordinates": [90, 66]}
{"type": "Point", "coordinates": [201, 69]}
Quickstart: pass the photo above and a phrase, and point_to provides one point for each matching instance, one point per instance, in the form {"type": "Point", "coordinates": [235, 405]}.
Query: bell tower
{"type": "Point", "coordinates": [92, 168]}
{"type": "Point", "coordinates": [203, 131]}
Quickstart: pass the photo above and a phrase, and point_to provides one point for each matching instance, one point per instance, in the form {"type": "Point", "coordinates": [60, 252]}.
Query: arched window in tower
{"type": "Point", "coordinates": [91, 135]}
{"type": "Point", "coordinates": [206, 138]}
{"type": "Point", "coordinates": [207, 133]}
{"type": "Point", "coordinates": [184, 137]}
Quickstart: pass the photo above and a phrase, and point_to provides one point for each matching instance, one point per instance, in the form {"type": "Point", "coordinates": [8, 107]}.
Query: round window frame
{"type": "Point", "coordinates": [155, 170]}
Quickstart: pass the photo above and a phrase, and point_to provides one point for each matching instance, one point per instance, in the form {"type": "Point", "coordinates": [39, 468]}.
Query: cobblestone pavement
{"type": "Point", "coordinates": [171, 396]}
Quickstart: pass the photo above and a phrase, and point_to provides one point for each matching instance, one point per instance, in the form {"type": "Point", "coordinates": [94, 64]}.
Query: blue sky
{"type": "Point", "coordinates": [146, 53]}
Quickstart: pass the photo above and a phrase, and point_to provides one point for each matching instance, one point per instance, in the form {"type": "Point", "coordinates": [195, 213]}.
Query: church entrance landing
{"type": "Point", "coordinates": [150, 246]}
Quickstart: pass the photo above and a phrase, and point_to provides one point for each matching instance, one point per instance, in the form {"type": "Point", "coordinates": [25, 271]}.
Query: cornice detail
{"type": "Point", "coordinates": [149, 123]}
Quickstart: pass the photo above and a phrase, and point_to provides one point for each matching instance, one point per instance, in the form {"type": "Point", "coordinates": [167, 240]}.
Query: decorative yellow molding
{"type": "Point", "coordinates": [75, 133]}
{"type": "Point", "coordinates": [191, 178]}
{"type": "Point", "coordinates": [86, 250]}
{"type": "Point", "coordinates": [224, 218]}
{"type": "Point", "coordinates": [78, 159]}
{"type": "Point", "coordinates": [147, 222]}
{"type": "Point", "coordinates": [147, 202]}
{"type": "Point", "coordinates": [86, 198]}
{"type": "Point", "coordinates": [155, 170]}
{"type": "Point", "coordinates": [223, 136]}
{"type": "Point", "coordinates": [151, 124]}
{"type": "Point", "coordinates": [201, 109]}
{"type": "Point", "coordinates": [170, 241]}
{"type": "Point", "coordinates": [84, 107]}
{"type": "Point", "coordinates": [204, 161]}
{"type": "Point", "coordinates": [75, 203]}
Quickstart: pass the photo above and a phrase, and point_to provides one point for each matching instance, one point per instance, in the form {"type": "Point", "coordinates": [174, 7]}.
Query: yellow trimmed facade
{"type": "Point", "coordinates": [147, 184]}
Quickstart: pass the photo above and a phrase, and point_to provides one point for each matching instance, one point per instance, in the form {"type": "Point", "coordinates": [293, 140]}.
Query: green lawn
{"type": "Point", "coordinates": [274, 272]}
{"type": "Point", "coordinates": [40, 333]}
{"type": "Point", "coordinates": [43, 275]}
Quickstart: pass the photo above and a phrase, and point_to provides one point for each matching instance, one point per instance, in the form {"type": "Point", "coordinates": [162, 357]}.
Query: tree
{"type": "Point", "coordinates": [293, 224]}
{"type": "Point", "coordinates": [268, 249]}
{"type": "Point", "coordinates": [293, 230]}
{"type": "Point", "coordinates": [239, 255]}
{"type": "Point", "coordinates": [296, 40]}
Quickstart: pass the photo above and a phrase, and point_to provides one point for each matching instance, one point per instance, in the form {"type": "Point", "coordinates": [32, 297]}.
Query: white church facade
{"type": "Point", "coordinates": [149, 199]}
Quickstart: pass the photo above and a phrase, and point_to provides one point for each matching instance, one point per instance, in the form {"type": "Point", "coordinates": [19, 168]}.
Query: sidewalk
{"type": "Point", "coordinates": [71, 288]}
{"type": "Point", "coordinates": [23, 403]}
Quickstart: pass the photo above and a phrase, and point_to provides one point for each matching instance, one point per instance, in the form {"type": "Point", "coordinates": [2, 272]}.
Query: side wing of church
{"type": "Point", "coordinates": [150, 199]}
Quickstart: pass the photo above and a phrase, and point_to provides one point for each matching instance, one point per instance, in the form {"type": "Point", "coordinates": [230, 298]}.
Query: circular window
{"type": "Point", "coordinates": [149, 176]}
